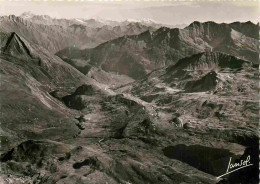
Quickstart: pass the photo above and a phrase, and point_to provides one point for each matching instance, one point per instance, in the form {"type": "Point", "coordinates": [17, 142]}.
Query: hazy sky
{"type": "Point", "coordinates": [170, 12]}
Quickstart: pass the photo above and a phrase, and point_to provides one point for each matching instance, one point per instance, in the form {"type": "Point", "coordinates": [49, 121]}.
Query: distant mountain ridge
{"type": "Point", "coordinates": [57, 34]}
{"type": "Point", "coordinates": [165, 46]}
{"type": "Point", "coordinates": [91, 22]}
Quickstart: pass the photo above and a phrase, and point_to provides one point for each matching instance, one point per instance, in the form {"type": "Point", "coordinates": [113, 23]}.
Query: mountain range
{"type": "Point", "coordinates": [162, 106]}
{"type": "Point", "coordinates": [56, 34]}
{"type": "Point", "coordinates": [137, 55]}
{"type": "Point", "coordinates": [93, 22]}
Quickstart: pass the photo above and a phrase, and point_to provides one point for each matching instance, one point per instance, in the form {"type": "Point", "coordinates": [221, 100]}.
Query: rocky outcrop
{"type": "Point", "coordinates": [206, 83]}
{"type": "Point", "coordinates": [207, 61]}
{"type": "Point", "coordinates": [80, 98]}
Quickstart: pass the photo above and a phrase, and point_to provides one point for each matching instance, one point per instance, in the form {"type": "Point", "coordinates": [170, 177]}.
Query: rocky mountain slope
{"type": "Point", "coordinates": [152, 50]}
{"type": "Point", "coordinates": [27, 74]}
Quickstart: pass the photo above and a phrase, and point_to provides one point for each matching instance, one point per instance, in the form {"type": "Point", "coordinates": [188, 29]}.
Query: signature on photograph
{"type": "Point", "coordinates": [237, 166]}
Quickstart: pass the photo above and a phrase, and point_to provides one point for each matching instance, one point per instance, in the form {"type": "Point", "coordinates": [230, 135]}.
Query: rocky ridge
{"type": "Point", "coordinates": [163, 47]}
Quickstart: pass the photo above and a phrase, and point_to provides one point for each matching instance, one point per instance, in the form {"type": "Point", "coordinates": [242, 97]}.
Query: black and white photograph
{"type": "Point", "coordinates": [129, 91]}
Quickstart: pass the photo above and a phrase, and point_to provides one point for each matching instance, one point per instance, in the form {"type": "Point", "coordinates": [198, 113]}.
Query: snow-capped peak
{"type": "Point", "coordinates": [145, 20]}
{"type": "Point", "coordinates": [27, 15]}
{"type": "Point", "coordinates": [81, 21]}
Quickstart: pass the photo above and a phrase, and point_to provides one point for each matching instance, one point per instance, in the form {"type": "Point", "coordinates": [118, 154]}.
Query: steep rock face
{"type": "Point", "coordinates": [16, 47]}
{"type": "Point", "coordinates": [247, 28]}
{"type": "Point", "coordinates": [166, 46]}
{"type": "Point", "coordinates": [229, 38]}
{"type": "Point", "coordinates": [208, 61]}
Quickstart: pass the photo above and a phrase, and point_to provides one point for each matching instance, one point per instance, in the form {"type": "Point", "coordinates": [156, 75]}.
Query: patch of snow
{"type": "Point", "coordinates": [81, 21]}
